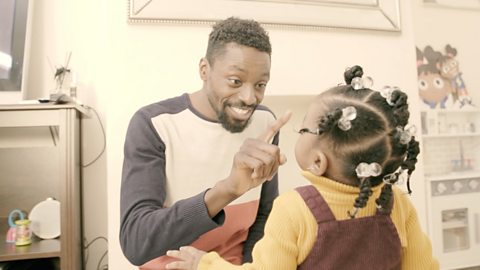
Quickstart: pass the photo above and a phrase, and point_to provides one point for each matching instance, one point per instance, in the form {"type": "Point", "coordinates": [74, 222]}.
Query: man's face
{"type": "Point", "coordinates": [235, 84]}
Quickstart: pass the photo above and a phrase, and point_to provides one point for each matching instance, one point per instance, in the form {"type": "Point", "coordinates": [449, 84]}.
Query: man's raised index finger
{"type": "Point", "coordinates": [275, 127]}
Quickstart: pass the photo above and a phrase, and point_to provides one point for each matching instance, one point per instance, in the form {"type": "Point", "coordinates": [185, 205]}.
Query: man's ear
{"type": "Point", "coordinates": [203, 67]}
{"type": "Point", "coordinates": [320, 164]}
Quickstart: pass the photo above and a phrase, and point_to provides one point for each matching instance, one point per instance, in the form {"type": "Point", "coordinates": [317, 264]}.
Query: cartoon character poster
{"type": "Point", "coordinates": [440, 82]}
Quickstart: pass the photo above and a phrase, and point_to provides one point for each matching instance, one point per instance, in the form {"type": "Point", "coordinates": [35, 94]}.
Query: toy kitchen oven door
{"type": "Point", "coordinates": [455, 221]}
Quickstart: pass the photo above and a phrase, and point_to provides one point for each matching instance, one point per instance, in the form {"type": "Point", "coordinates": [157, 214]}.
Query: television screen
{"type": "Point", "coordinates": [14, 31]}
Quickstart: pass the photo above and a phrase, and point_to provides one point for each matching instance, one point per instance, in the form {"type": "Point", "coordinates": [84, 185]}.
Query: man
{"type": "Point", "coordinates": [179, 186]}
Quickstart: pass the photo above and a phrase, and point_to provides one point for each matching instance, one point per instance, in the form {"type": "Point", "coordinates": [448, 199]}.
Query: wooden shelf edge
{"type": "Point", "coordinates": [18, 257]}
{"type": "Point", "coordinates": [39, 249]}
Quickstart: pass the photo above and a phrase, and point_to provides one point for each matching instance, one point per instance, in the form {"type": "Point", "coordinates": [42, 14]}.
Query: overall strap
{"type": "Point", "coordinates": [315, 202]}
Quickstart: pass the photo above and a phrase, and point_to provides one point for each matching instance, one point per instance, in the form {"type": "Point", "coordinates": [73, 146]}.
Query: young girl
{"type": "Point", "coordinates": [353, 145]}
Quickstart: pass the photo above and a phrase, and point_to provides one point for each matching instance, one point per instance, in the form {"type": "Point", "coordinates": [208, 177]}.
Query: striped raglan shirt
{"type": "Point", "coordinates": [172, 155]}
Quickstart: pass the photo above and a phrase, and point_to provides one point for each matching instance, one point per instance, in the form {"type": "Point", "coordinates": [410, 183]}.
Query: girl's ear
{"type": "Point", "coordinates": [203, 68]}
{"type": "Point", "coordinates": [320, 164]}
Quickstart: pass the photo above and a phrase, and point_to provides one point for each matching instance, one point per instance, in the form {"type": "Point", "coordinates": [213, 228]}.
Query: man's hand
{"type": "Point", "coordinates": [256, 162]}
{"type": "Point", "coordinates": [188, 256]}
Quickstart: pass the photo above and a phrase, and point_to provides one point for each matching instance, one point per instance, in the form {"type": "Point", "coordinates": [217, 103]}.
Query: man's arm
{"type": "Point", "coordinates": [148, 229]}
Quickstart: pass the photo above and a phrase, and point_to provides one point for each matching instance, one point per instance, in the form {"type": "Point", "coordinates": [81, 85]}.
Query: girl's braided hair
{"type": "Point", "coordinates": [374, 135]}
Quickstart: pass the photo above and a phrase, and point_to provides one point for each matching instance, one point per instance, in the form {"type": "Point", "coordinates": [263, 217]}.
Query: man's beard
{"type": "Point", "coordinates": [232, 125]}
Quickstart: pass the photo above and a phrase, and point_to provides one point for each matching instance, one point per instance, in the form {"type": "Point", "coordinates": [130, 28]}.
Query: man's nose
{"type": "Point", "coordinates": [247, 95]}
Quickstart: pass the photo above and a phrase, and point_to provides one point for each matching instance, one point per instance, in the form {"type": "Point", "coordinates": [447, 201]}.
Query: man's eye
{"type": "Point", "coordinates": [235, 81]}
{"type": "Point", "coordinates": [261, 86]}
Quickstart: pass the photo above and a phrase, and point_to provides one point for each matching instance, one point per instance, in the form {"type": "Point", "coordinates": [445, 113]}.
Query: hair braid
{"type": "Point", "coordinates": [363, 196]}
{"type": "Point", "coordinates": [408, 164]}
{"type": "Point", "coordinates": [398, 148]}
{"type": "Point", "coordinates": [350, 73]}
{"type": "Point", "coordinates": [330, 120]}
{"type": "Point", "coordinates": [397, 112]}
{"type": "Point", "coordinates": [400, 108]}
{"type": "Point", "coordinates": [413, 150]}
{"type": "Point", "coordinates": [385, 196]}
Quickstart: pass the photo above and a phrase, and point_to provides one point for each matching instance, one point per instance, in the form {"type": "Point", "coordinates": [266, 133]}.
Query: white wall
{"type": "Point", "coordinates": [60, 27]}
{"type": "Point", "coordinates": [122, 67]}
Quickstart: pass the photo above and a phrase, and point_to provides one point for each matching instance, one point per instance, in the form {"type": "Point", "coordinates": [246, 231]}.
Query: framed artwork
{"type": "Point", "coordinates": [381, 15]}
{"type": "Point", "coordinates": [462, 4]}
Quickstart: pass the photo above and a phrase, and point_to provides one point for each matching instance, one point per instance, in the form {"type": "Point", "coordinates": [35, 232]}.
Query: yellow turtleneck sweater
{"type": "Point", "coordinates": [291, 229]}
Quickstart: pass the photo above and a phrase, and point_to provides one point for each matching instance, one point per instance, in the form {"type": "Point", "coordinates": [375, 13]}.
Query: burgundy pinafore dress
{"type": "Point", "coordinates": [360, 243]}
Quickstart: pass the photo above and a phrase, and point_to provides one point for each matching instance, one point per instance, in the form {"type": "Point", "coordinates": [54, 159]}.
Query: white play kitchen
{"type": "Point", "coordinates": [451, 150]}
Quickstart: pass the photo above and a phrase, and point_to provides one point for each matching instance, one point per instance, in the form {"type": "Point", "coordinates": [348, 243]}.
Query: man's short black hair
{"type": "Point", "coordinates": [240, 31]}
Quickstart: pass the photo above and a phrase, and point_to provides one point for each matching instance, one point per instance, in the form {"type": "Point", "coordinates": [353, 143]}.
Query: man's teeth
{"type": "Point", "coordinates": [240, 111]}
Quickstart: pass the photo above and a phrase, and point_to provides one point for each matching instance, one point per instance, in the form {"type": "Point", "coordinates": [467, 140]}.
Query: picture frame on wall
{"type": "Point", "coordinates": [377, 15]}
{"type": "Point", "coordinates": [459, 4]}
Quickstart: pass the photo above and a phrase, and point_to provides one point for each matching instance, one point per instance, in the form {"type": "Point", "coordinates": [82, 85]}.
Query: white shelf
{"type": "Point", "coordinates": [450, 135]}
{"type": "Point", "coordinates": [454, 225]}
{"type": "Point", "coordinates": [463, 110]}
{"type": "Point", "coordinates": [454, 175]}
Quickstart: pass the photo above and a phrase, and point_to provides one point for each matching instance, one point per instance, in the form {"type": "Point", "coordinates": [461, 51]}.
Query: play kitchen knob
{"type": "Point", "coordinates": [441, 188]}
{"type": "Point", "coordinates": [473, 184]}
